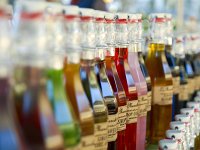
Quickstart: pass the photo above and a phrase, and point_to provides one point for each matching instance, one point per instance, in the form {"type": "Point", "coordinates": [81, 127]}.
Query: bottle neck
{"type": "Point", "coordinates": [110, 32]}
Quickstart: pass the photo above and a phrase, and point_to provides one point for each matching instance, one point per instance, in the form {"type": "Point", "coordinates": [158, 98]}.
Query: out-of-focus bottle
{"type": "Point", "coordinates": [10, 133]}
{"type": "Point", "coordinates": [168, 144]}
{"type": "Point", "coordinates": [89, 79]}
{"type": "Point", "coordinates": [114, 79]}
{"type": "Point", "coordinates": [176, 135]}
{"type": "Point", "coordinates": [180, 126]}
{"type": "Point", "coordinates": [30, 54]}
{"type": "Point", "coordinates": [161, 79]}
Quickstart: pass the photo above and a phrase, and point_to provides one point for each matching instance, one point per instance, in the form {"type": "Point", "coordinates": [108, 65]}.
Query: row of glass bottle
{"type": "Point", "coordinates": [185, 131]}
{"type": "Point", "coordinates": [114, 79]}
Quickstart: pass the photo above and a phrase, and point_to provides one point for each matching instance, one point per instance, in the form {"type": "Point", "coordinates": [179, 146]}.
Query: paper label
{"type": "Point", "coordinates": [149, 97]}
{"type": "Point", "coordinates": [101, 135]}
{"type": "Point", "coordinates": [87, 142]}
{"type": "Point", "coordinates": [122, 110]}
{"type": "Point", "coordinates": [112, 127]}
{"type": "Point", "coordinates": [184, 94]}
{"type": "Point", "coordinates": [132, 111]}
{"type": "Point", "coordinates": [191, 84]}
{"type": "Point", "coordinates": [142, 105]}
{"type": "Point", "coordinates": [176, 84]}
{"type": "Point", "coordinates": [162, 95]}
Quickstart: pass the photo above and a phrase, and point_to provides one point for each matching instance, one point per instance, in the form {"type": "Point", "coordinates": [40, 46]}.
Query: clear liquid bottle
{"type": "Point", "coordinates": [73, 83]}
{"type": "Point", "coordinates": [126, 77]}
{"type": "Point", "coordinates": [89, 79]}
{"type": "Point", "coordinates": [135, 43]}
{"type": "Point", "coordinates": [68, 125]}
{"type": "Point", "coordinates": [34, 111]}
{"type": "Point", "coordinates": [115, 81]}
{"type": "Point", "coordinates": [168, 144]}
{"type": "Point", "coordinates": [178, 51]}
{"type": "Point", "coordinates": [161, 79]}
{"type": "Point", "coordinates": [10, 133]}
{"type": "Point", "coordinates": [172, 63]}
{"type": "Point", "coordinates": [104, 83]}
{"type": "Point", "coordinates": [176, 135]}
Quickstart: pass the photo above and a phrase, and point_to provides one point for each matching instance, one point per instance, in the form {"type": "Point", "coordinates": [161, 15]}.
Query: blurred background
{"type": "Point", "coordinates": [186, 12]}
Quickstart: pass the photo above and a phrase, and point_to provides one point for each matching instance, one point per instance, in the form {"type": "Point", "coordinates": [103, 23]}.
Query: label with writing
{"type": "Point", "coordinates": [132, 111]}
{"type": "Point", "coordinates": [149, 97]}
{"type": "Point", "coordinates": [142, 105]}
{"type": "Point", "coordinates": [162, 95]}
{"type": "Point", "coordinates": [184, 94]}
{"type": "Point", "coordinates": [112, 127]}
{"type": "Point", "coordinates": [87, 142]}
{"type": "Point", "coordinates": [101, 135]}
{"type": "Point", "coordinates": [122, 117]}
{"type": "Point", "coordinates": [176, 84]}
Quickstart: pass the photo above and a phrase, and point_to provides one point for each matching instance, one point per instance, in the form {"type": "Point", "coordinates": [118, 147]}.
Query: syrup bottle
{"type": "Point", "coordinates": [126, 77]}
{"type": "Point", "coordinates": [135, 43]}
{"type": "Point", "coordinates": [178, 51]}
{"type": "Point", "coordinates": [59, 99]}
{"type": "Point", "coordinates": [172, 63]}
{"type": "Point", "coordinates": [10, 134]}
{"type": "Point", "coordinates": [73, 83]}
{"type": "Point", "coordinates": [34, 111]}
{"type": "Point", "coordinates": [161, 79]}
{"type": "Point", "coordinates": [89, 79]}
{"type": "Point", "coordinates": [104, 83]}
{"type": "Point", "coordinates": [188, 65]}
{"type": "Point", "coordinates": [115, 81]}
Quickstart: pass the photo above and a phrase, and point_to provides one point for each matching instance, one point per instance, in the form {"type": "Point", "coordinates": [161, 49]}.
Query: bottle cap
{"type": "Point", "coordinates": [168, 144]}
{"type": "Point", "coordinates": [99, 14]}
{"type": "Point", "coordinates": [109, 15]}
{"type": "Point", "coordinates": [71, 10]}
{"type": "Point", "coordinates": [174, 134]}
{"type": "Point", "coordinates": [87, 12]}
{"type": "Point", "coordinates": [168, 16]}
{"type": "Point", "coordinates": [54, 8]}
{"type": "Point", "coordinates": [157, 17]}
{"type": "Point", "coordinates": [177, 125]}
{"type": "Point", "coordinates": [139, 16]}
{"type": "Point", "coordinates": [187, 111]}
{"type": "Point", "coordinates": [132, 17]}
{"type": "Point", "coordinates": [183, 118]}
{"type": "Point", "coordinates": [122, 15]}
{"type": "Point", "coordinates": [194, 105]}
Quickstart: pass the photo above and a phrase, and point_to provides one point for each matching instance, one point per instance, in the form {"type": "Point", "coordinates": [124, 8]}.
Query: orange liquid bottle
{"type": "Point", "coordinates": [161, 80]}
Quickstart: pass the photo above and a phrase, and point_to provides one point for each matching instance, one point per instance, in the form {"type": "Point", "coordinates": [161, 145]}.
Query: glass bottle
{"type": "Point", "coordinates": [58, 97]}
{"type": "Point", "coordinates": [115, 81]}
{"type": "Point", "coordinates": [34, 111]}
{"type": "Point", "coordinates": [178, 51]}
{"type": "Point", "coordinates": [104, 83]}
{"type": "Point", "coordinates": [172, 63]}
{"type": "Point", "coordinates": [89, 79]}
{"type": "Point", "coordinates": [10, 133]}
{"type": "Point", "coordinates": [135, 43]}
{"type": "Point", "coordinates": [168, 144]}
{"type": "Point", "coordinates": [161, 79]}
{"type": "Point", "coordinates": [126, 77]}
{"type": "Point", "coordinates": [73, 83]}
{"type": "Point", "coordinates": [188, 65]}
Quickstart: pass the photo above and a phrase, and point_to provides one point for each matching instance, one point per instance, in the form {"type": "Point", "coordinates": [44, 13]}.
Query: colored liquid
{"type": "Point", "coordinates": [80, 103]}
{"type": "Point", "coordinates": [128, 83]}
{"type": "Point", "coordinates": [162, 89]}
{"type": "Point", "coordinates": [93, 93]}
{"type": "Point", "coordinates": [63, 113]}
{"type": "Point", "coordinates": [110, 102]}
{"type": "Point", "coordinates": [149, 95]}
{"type": "Point", "coordinates": [120, 95]}
{"type": "Point", "coordinates": [176, 79]}
{"type": "Point", "coordinates": [10, 136]}
{"type": "Point", "coordinates": [33, 108]}
{"type": "Point", "coordinates": [141, 86]}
